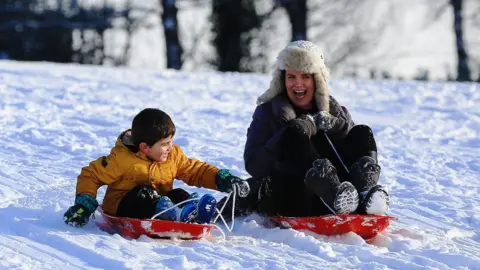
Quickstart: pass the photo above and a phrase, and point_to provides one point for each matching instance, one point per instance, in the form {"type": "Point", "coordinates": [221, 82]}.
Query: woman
{"type": "Point", "coordinates": [305, 154]}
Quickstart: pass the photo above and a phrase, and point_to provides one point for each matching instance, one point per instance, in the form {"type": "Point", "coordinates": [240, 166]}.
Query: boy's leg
{"type": "Point", "coordinates": [177, 195]}
{"type": "Point", "coordinates": [140, 202]}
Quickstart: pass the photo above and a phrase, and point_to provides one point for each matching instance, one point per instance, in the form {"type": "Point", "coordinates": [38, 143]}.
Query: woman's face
{"type": "Point", "coordinates": [300, 88]}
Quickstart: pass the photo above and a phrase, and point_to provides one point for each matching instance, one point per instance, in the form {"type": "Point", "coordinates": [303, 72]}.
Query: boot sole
{"type": "Point", "coordinates": [368, 206]}
{"type": "Point", "coordinates": [346, 199]}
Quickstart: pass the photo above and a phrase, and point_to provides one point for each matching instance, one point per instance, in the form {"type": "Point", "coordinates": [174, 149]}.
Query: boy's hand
{"type": "Point", "coordinates": [76, 216]}
{"type": "Point", "coordinates": [79, 214]}
{"type": "Point", "coordinates": [225, 182]}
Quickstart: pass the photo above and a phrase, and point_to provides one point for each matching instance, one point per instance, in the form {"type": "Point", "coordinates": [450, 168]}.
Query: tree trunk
{"type": "Point", "coordinates": [232, 20]}
{"type": "Point", "coordinates": [463, 71]}
{"type": "Point", "coordinates": [170, 26]}
{"type": "Point", "coordinates": [297, 13]}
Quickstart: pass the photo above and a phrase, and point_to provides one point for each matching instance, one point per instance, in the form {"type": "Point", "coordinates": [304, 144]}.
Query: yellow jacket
{"type": "Point", "coordinates": [123, 169]}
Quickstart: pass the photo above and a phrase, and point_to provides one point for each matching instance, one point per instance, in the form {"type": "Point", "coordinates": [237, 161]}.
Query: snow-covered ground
{"type": "Point", "coordinates": [56, 118]}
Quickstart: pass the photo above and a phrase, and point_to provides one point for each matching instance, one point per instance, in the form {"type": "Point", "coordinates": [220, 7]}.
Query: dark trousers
{"type": "Point", "coordinates": [141, 201]}
{"type": "Point", "coordinates": [285, 193]}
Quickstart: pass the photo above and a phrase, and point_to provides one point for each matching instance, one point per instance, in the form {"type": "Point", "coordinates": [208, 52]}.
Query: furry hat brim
{"type": "Point", "coordinates": [308, 59]}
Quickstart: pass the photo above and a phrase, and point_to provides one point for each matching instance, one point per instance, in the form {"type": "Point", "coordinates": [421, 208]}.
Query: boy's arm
{"type": "Point", "coordinates": [195, 172]}
{"type": "Point", "coordinates": [103, 171]}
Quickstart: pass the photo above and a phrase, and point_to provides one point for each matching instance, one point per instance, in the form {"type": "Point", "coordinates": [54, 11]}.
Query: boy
{"type": "Point", "coordinates": [140, 171]}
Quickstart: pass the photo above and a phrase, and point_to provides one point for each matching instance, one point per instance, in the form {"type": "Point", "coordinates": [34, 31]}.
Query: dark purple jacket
{"type": "Point", "coordinates": [267, 127]}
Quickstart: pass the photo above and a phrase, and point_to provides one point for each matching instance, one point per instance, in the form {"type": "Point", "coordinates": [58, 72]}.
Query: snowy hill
{"type": "Point", "coordinates": [56, 118]}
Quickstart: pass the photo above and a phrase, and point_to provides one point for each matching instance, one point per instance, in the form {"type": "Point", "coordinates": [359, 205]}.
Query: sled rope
{"type": "Point", "coordinates": [219, 212]}
{"type": "Point", "coordinates": [234, 193]}
{"type": "Point", "coordinates": [329, 208]}
{"type": "Point", "coordinates": [336, 153]}
{"type": "Point", "coordinates": [173, 206]}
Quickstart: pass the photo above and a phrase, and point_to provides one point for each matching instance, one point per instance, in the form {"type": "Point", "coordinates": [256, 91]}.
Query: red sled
{"type": "Point", "coordinates": [366, 226]}
{"type": "Point", "coordinates": [154, 228]}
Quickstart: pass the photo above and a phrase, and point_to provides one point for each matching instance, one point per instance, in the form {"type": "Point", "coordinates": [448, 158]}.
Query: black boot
{"type": "Point", "coordinates": [322, 178]}
{"type": "Point", "coordinates": [364, 175]}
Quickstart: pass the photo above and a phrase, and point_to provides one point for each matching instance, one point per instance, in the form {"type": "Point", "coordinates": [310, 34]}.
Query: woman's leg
{"type": "Point", "coordinates": [289, 196]}
{"type": "Point", "coordinates": [365, 171]}
{"type": "Point", "coordinates": [360, 142]}
{"type": "Point", "coordinates": [361, 157]}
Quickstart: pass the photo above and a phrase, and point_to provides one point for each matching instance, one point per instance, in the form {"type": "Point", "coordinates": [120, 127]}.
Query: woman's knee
{"type": "Point", "coordinates": [362, 129]}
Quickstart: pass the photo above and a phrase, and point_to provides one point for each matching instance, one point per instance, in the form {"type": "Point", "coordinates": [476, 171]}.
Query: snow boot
{"type": "Point", "coordinates": [322, 178]}
{"type": "Point", "coordinates": [205, 209]}
{"type": "Point", "coordinates": [199, 211]}
{"type": "Point", "coordinates": [375, 201]}
{"type": "Point", "coordinates": [189, 209]}
{"type": "Point", "coordinates": [364, 175]}
{"type": "Point", "coordinates": [163, 204]}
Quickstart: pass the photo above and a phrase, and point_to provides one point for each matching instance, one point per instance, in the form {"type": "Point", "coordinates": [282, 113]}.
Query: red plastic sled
{"type": "Point", "coordinates": [366, 226]}
{"type": "Point", "coordinates": [154, 228]}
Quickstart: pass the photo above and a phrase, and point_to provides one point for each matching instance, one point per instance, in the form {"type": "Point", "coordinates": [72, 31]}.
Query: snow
{"type": "Point", "coordinates": [378, 205]}
{"type": "Point", "coordinates": [56, 118]}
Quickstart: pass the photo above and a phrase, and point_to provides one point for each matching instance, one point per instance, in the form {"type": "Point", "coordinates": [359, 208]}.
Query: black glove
{"type": "Point", "coordinates": [225, 182]}
{"type": "Point", "coordinates": [79, 214]}
{"type": "Point", "coordinates": [305, 124]}
{"type": "Point", "coordinates": [325, 121]}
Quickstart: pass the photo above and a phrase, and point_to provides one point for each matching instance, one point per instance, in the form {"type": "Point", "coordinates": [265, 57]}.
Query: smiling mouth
{"type": "Point", "coordinates": [300, 93]}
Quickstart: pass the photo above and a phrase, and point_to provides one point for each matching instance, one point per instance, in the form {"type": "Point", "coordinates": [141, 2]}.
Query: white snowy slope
{"type": "Point", "coordinates": [54, 119]}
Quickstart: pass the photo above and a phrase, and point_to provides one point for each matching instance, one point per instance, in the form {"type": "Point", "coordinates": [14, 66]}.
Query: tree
{"type": "Point", "coordinates": [360, 29]}
{"type": "Point", "coordinates": [231, 22]}
{"type": "Point", "coordinates": [297, 14]}
{"type": "Point", "coordinates": [170, 26]}
{"type": "Point", "coordinates": [463, 70]}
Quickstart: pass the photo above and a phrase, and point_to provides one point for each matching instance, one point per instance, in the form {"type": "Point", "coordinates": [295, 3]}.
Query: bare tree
{"type": "Point", "coordinates": [170, 26]}
{"type": "Point", "coordinates": [474, 22]}
{"type": "Point", "coordinates": [438, 9]}
{"type": "Point", "coordinates": [463, 71]}
{"type": "Point", "coordinates": [232, 20]}
{"type": "Point", "coordinates": [354, 20]}
{"type": "Point", "coordinates": [297, 14]}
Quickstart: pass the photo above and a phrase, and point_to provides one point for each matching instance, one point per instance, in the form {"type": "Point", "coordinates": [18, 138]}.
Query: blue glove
{"type": "Point", "coordinates": [225, 182]}
{"type": "Point", "coordinates": [79, 214]}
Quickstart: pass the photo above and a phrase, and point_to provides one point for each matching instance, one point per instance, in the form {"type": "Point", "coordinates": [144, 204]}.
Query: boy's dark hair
{"type": "Point", "coordinates": [151, 125]}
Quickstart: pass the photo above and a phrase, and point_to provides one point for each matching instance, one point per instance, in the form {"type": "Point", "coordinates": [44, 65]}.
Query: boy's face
{"type": "Point", "coordinates": [159, 151]}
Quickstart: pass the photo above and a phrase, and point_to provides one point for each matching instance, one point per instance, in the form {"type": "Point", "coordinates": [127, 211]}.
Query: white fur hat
{"type": "Point", "coordinates": [307, 57]}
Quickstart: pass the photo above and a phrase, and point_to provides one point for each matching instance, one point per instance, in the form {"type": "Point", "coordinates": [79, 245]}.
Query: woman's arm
{"type": "Point", "coordinates": [261, 144]}
{"type": "Point", "coordinates": [344, 123]}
